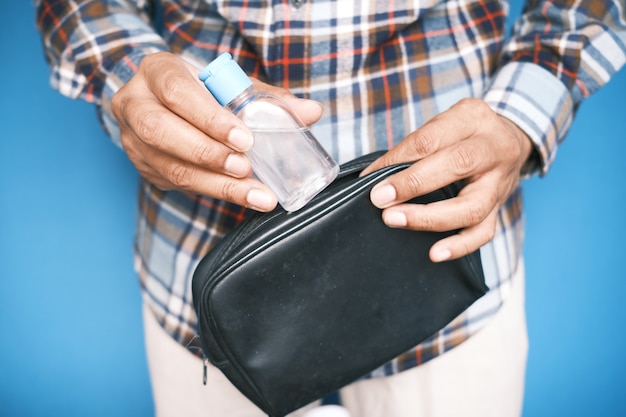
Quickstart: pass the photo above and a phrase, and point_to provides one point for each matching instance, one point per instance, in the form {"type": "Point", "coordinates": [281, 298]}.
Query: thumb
{"type": "Point", "coordinates": [308, 111]}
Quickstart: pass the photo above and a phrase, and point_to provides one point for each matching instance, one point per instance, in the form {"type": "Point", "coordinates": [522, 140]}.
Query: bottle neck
{"type": "Point", "coordinates": [239, 102]}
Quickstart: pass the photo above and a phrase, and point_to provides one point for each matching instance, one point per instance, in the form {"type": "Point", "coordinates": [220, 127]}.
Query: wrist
{"type": "Point", "coordinates": [538, 104]}
{"type": "Point", "coordinates": [529, 156]}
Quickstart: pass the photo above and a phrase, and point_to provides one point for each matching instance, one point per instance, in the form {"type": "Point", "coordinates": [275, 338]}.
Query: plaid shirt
{"type": "Point", "coordinates": [381, 68]}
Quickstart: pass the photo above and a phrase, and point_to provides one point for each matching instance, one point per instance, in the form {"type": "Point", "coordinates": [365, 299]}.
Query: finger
{"type": "Point", "coordinates": [158, 128]}
{"type": "Point", "coordinates": [308, 111]}
{"type": "Point", "coordinates": [466, 241]}
{"type": "Point", "coordinates": [168, 172]}
{"type": "Point", "coordinates": [177, 87]}
{"type": "Point", "coordinates": [456, 124]}
{"type": "Point", "coordinates": [471, 207]}
{"type": "Point", "coordinates": [457, 162]}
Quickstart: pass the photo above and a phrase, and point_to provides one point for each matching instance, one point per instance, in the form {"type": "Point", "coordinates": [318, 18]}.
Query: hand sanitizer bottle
{"type": "Point", "coordinates": [285, 155]}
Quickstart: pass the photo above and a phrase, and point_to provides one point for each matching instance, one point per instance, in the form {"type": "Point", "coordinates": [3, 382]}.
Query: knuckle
{"type": "Point", "coordinates": [474, 105]}
{"type": "Point", "coordinates": [204, 155]}
{"type": "Point", "coordinates": [181, 176]}
{"type": "Point", "coordinates": [424, 144]}
{"type": "Point", "coordinates": [148, 127]}
{"type": "Point", "coordinates": [464, 160]}
{"type": "Point", "coordinates": [152, 63]}
{"type": "Point", "coordinates": [126, 143]}
{"type": "Point", "coordinates": [120, 103]}
{"type": "Point", "coordinates": [229, 191]}
{"type": "Point", "coordinates": [489, 234]}
{"type": "Point", "coordinates": [427, 223]}
{"type": "Point", "coordinates": [480, 237]}
{"type": "Point", "coordinates": [173, 90]}
{"type": "Point", "coordinates": [481, 107]}
{"type": "Point", "coordinates": [484, 233]}
{"type": "Point", "coordinates": [211, 119]}
{"type": "Point", "coordinates": [466, 249]}
{"type": "Point", "coordinates": [475, 112]}
{"type": "Point", "coordinates": [465, 102]}
{"type": "Point", "coordinates": [413, 182]}
{"type": "Point", "coordinates": [149, 59]}
{"type": "Point", "coordinates": [475, 213]}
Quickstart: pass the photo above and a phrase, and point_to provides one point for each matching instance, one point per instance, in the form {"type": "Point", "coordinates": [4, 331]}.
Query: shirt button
{"type": "Point", "coordinates": [297, 3]}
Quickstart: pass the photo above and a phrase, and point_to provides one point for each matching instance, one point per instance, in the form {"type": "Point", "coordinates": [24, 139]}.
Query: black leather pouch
{"type": "Point", "coordinates": [293, 306]}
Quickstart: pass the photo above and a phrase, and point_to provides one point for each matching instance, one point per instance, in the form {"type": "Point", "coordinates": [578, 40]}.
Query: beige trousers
{"type": "Point", "coordinates": [482, 377]}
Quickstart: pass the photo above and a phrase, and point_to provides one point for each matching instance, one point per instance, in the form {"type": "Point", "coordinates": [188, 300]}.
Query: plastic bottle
{"type": "Point", "coordinates": [285, 155]}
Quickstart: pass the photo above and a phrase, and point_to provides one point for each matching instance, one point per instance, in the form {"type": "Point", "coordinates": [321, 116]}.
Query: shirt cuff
{"type": "Point", "coordinates": [120, 74]}
{"type": "Point", "coordinates": [538, 103]}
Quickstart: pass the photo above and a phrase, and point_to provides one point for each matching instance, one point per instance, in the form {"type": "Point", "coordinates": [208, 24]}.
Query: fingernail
{"type": "Point", "coordinates": [260, 200]}
{"type": "Point", "coordinates": [395, 218]}
{"type": "Point", "coordinates": [440, 254]}
{"type": "Point", "coordinates": [382, 195]}
{"type": "Point", "coordinates": [237, 165]}
{"type": "Point", "coordinates": [241, 139]}
{"type": "Point", "coordinates": [317, 104]}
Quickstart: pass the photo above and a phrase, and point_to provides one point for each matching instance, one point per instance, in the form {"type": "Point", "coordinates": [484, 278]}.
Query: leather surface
{"type": "Point", "coordinates": [293, 306]}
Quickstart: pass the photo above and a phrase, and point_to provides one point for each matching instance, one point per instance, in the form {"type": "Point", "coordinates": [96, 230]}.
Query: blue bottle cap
{"type": "Point", "coordinates": [224, 78]}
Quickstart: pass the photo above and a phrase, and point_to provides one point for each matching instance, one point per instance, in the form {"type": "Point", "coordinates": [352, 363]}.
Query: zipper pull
{"type": "Point", "coordinates": [205, 365]}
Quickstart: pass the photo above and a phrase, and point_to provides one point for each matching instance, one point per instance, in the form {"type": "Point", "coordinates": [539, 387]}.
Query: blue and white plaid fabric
{"type": "Point", "coordinates": [381, 68]}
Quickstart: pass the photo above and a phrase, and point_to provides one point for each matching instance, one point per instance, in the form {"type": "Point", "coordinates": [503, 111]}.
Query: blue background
{"type": "Point", "coordinates": [71, 339]}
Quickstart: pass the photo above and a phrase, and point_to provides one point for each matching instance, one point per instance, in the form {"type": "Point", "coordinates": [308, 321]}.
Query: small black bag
{"type": "Point", "coordinates": [293, 306]}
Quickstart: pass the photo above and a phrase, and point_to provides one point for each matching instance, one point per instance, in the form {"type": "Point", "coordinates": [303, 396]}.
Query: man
{"type": "Point", "coordinates": [436, 82]}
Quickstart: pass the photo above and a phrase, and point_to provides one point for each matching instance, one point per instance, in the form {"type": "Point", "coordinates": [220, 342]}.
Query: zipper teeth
{"type": "Point", "coordinates": [250, 227]}
{"type": "Point", "coordinates": [254, 223]}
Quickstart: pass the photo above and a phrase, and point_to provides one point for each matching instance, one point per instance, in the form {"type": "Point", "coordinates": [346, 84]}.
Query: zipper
{"type": "Point", "coordinates": [205, 366]}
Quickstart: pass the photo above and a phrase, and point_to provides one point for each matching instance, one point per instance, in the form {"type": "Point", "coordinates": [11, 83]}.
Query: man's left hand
{"type": "Point", "coordinates": [468, 142]}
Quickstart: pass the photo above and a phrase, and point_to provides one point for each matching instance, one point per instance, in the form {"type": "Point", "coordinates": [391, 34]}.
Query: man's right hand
{"type": "Point", "coordinates": [179, 137]}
